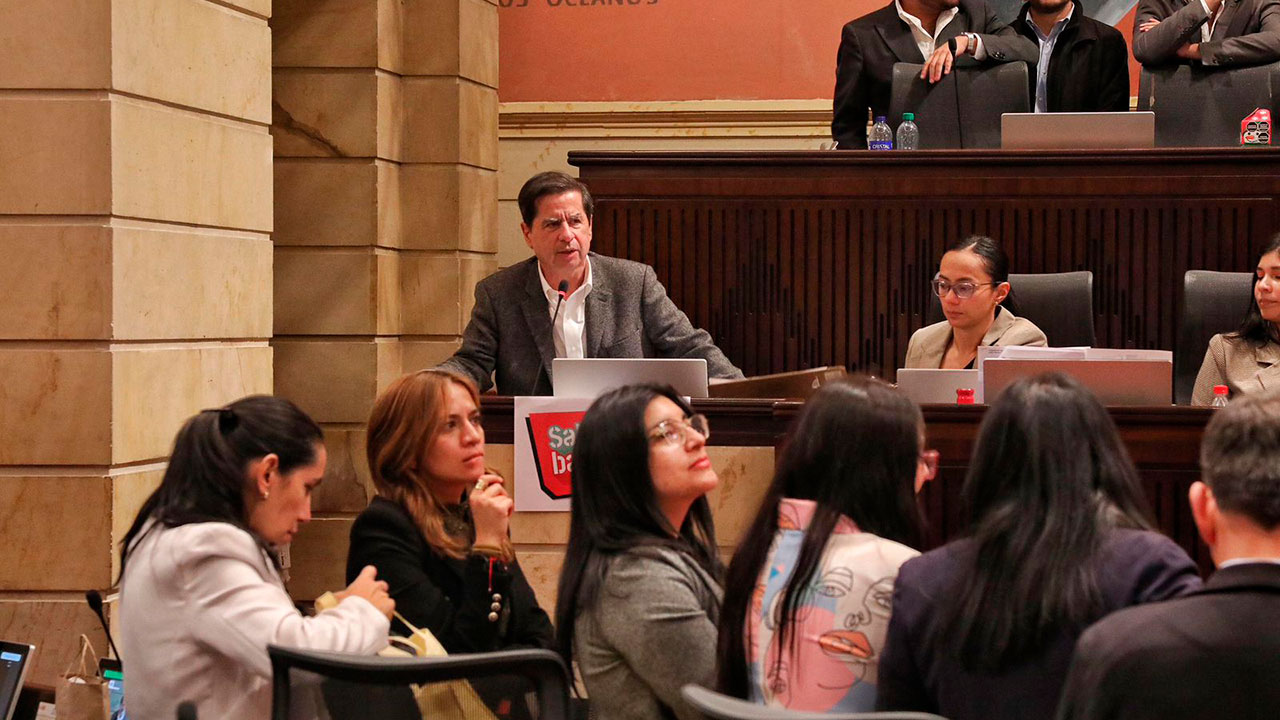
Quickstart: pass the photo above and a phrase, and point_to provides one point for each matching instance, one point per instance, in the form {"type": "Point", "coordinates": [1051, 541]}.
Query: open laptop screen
{"type": "Point", "coordinates": [14, 660]}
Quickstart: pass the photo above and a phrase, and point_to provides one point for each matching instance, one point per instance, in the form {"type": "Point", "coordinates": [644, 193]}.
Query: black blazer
{"type": "Point", "coordinates": [1247, 33]}
{"type": "Point", "coordinates": [1089, 67]}
{"type": "Point", "coordinates": [870, 45]}
{"type": "Point", "coordinates": [918, 673]}
{"type": "Point", "coordinates": [452, 598]}
{"type": "Point", "coordinates": [1212, 654]}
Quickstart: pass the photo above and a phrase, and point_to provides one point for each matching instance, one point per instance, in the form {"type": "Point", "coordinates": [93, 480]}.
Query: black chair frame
{"type": "Point", "coordinates": [544, 668]}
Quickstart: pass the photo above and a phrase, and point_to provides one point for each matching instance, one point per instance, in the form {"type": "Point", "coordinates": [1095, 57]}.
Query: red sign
{"type": "Point", "coordinates": [552, 435]}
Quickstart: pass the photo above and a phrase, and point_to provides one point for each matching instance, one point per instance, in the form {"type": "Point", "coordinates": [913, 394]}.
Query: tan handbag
{"type": "Point", "coordinates": [449, 700]}
{"type": "Point", "coordinates": [81, 693]}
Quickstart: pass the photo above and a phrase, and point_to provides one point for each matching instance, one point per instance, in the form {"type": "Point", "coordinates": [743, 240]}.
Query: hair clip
{"type": "Point", "coordinates": [227, 419]}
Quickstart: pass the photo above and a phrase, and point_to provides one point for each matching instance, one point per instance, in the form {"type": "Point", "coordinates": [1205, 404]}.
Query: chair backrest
{"type": "Point", "coordinates": [541, 670]}
{"type": "Point", "coordinates": [1212, 302]}
{"type": "Point", "coordinates": [716, 706]}
{"type": "Point", "coordinates": [962, 110]}
{"type": "Point", "coordinates": [1060, 304]}
{"type": "Point", "coordinates": [1198, 106]}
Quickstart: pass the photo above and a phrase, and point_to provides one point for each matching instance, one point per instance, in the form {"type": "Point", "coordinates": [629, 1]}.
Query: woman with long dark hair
{"type": "Point", "coordinates": [972, 284]}
{"type": "Point", "coordinates": [437, 529]}
{"type": "Point", "coordinates": [808, 593]}
{"type": "Point", "coordinates": [200, 592]}
{"type": "Point", "coordinates": [640, 592]}
{"type": "Point", "coordinates": [1248, 360]}
{"type": "Point", "coordinates": [1059, 535]}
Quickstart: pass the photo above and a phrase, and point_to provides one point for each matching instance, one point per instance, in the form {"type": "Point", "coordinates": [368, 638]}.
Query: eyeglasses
{"type": "Point", "coordinates": [929, 458]}
{"type": "Point", "coordinates": [963, 289]}
{"type": "Point", "coordinates": [676, 432]}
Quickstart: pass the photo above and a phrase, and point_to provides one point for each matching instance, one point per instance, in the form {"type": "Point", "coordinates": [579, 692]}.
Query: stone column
{"type": "Point", "coordinates": [135, 285]}
{"type": "Point", "coordinates": [385, 124]}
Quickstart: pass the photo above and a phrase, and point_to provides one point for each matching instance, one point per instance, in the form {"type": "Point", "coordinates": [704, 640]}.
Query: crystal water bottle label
{"type": "Point", "coordinates": [880, 145]}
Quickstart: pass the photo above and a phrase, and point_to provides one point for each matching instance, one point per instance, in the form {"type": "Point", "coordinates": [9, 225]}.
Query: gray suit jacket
{"type": "Point", "coordinates": [628, 316]}
{"type": "Point", "coordinates": [929, 344]}
{"type": "Point", "coordinates": [1247, 33]}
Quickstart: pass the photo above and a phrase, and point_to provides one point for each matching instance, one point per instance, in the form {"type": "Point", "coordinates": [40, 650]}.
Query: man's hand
{"type": "Point", "coordinates": [939, 63]}
{"type": "Point", "coordinates": [1190, 51]}
{"type": "Point", "coordinates": [1147, 25]}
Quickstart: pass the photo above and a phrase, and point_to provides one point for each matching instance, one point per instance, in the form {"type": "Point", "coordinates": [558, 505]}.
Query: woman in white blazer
{"type": "Point", "coordinates": [201, 594]}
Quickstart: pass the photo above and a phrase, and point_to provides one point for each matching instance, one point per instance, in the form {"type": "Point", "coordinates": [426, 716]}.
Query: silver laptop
{"type": "Point", "coordinates": [1115, 382]}
{"type": "Point", "coordinates": [931, 386]}
{"type": "Point", "coordinates": [14, 661]}
{"type": "Point", "coordinates": [589, 377]}
{"type": "Point", "coordinates": [1077, 131]}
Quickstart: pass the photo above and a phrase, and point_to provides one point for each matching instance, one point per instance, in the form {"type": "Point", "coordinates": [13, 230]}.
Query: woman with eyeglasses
{"type": "Point", "coordinates": [1248, 360]}
{"type": "Point", "coordinates": [639, 594]}
{"type": "Point", "coordinates": [1059, 535]}
{"type": "Point", "coordinates": [972, 283]}
{"type": "Point", "coordinates": [808, 593]}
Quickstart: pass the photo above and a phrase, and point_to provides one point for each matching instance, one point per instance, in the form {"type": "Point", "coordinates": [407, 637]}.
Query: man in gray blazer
{"type": "Point", "coordinates": [1228, 33]}
{"type": "Point", "coordinates": [566, 301]}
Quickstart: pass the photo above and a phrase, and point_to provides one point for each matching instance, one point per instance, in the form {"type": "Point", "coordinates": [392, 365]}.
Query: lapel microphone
{"type": "Point", "coordinates": [94, 598]}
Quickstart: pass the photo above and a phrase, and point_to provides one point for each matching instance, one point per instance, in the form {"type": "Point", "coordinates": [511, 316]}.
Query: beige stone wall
{"type": "Point", "coordinates": [135, 212]}
{"type": "Point", "coordinates": [385, 119]}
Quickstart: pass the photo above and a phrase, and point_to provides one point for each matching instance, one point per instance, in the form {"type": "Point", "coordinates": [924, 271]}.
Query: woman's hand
{"type": "Point", "coordinates": [491, 509]}
{"type": "Point", "coordinates": [369, 587]}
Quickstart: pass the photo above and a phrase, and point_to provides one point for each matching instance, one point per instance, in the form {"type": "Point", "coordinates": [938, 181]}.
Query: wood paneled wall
{"type": "Point", "coordinates": [797, 260]}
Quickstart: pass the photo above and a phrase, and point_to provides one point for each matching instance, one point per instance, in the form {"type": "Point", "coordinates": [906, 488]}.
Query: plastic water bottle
{"type": "Point", "coordinates": [908, 133]}
{"type": "Point", "coordinates": [881, 137]}
{"type": "Point", "coordinates": [1220, 393]}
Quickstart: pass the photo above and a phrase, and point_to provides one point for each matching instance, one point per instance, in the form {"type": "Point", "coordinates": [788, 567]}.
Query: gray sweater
{"type": "Point", "coordinates": [652, 629]}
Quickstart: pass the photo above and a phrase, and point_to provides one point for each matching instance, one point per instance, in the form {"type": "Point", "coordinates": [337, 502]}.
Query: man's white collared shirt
{"type": "Point", "coordinates": [924, 40]}
{"type": "Point", "coordinates": [568, 327]}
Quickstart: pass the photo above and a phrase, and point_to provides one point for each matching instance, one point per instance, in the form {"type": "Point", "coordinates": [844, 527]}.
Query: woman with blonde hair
{"type": "Point", "coordinates": [437, 529]}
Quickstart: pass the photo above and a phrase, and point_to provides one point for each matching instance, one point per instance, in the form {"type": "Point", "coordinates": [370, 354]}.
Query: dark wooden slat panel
{"type": "Point", "coordinates": [750, 264]}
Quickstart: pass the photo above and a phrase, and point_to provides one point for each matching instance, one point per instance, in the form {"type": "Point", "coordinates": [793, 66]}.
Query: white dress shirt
{"type": "Point", "coordinates": [199, 604]}
{"type": "Point", "coordinates": [926, 42]}
{"type": "Point", "coordinates": [569, 326]}
{"type": "Point", "coordinates": [1206, 29]}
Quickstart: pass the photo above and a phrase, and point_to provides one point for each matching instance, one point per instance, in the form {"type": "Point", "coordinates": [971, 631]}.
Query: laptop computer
{"type": "Point", "coordinates": [795, 384]}
{"type": "Point", "coordinates": [932, 386]}
{"type": "Point", "coordinates": [1077, 130]}
{"type": "Point", "coordinates": [589, 377]}
{"type": "Point", "coordinates": [1115, 382]}
{"type": "Point", "coordinates": [15, 659]}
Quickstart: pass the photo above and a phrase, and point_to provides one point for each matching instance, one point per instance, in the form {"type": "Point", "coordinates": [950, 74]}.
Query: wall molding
{"type": "Point", "coordinates": [724, 118]}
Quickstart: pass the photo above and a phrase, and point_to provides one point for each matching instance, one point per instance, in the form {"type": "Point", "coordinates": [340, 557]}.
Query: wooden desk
{"type": "Point", "coordinates": [794, 260]}
{"type": "Point", "coordinates": [1164, 443]}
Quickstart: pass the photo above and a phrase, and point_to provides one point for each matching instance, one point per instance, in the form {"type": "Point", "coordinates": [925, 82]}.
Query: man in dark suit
{"type": "Point", "coordinates": [1214, 653]}
{"type": "Point", "coordinates": [934, 32]}
{"type": "Point", "coordinates": [1083, 65]}
{"type": "Point", "coordinates": [1215, 32]}
{"type": "Point", "coordinates": [609, 308]}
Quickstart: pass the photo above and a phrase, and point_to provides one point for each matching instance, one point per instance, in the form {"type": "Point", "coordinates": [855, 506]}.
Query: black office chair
{"type": "Point", "coordinates": [1060, 304]}
{"type": "Point", "coordinates": [1198, 106]}
{"type": "Point", "coordinates": [1212, 302]}
{"type": "Point", "coordinates": [963, 109]}
{"type": "Point", "coordinates": [381, 684]}
{"type": "Point", "coordinates": [715, 706]}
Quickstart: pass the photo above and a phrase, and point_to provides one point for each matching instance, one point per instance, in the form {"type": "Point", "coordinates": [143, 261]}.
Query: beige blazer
{"type": "Point", "coordinates": [1239, 365]}
{"type": "Point", "coordinates": [929, 344]}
